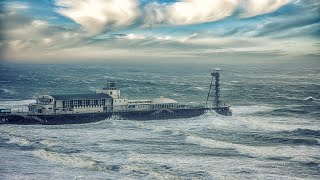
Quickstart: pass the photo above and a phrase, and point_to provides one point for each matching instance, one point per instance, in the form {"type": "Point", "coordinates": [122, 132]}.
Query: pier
{"type": "Point", "coordinates": [107, 103]}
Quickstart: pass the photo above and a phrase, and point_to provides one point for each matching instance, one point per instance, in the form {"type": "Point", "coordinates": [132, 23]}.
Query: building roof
{"type": "Point", "coordinates": [163, 100]}
{"type": "Point", "coordinates": [81, 96]}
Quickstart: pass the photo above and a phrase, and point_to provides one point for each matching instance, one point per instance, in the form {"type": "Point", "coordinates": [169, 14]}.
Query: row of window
{"type": "Point", "coordinates": [164, 106]}
{"type": "Point", "coordinates": [136, 102]}
{"type": "Point", "coordinates": [120, 100]}
{"type": "Point", "coordinates": [92, 102]}
{"type": "Point", "coordinates": [154, 106]}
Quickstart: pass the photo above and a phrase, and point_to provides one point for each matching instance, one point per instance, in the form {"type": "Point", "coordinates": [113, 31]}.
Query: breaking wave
{"type": "Point", "coordinates": [293, 111]}
{"type": "Point", "coordinates": [300, 153]}
{"type": "Point", "coordinates": [6, 91]}
{"type": "Point", "coordinates": [248, 110]}
{"type": "Point", "coordinates": [282, 138]}
{"type": "Point", "coordinates": [18, 105]}
{"type": "Point", "coordinates": [73, 161]}
{"type": "Point", "coordinates": [305, 132]}
{"type": "Point", "coordinates": [310, 98]}
{"type": "Point", "coordinates": [20, 141]}
{"type": "Point", "coordinates": [49, 143]}
{"type": "Point", "coordinates": [297, 110]}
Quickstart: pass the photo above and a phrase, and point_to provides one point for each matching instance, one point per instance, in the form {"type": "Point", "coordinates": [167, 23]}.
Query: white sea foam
{"type": "Point", "coordinates": [20, 105]}
{"type": "Point", "coordinates": [198, 88]}
{"type": "Point", "coordinates": [298, 153]}
{"type": "Point", "coordinates": [48, 143]}
{"type": "Point", "coordinates": [172, 131]}
{"type": "Point", "coordinates": [310, 98]}
{"type": "Point", "coordinates": [246, 110]}
{"type": "Point", "coordinates": [7, 91]}
{"type": "Point", "coordinates": [19, 141]}
{"type": "Point", "coordinates": [19, 102]}
{"type": "Point", "coordinates": [244, 119]}
{"type": "Point", "coordinates": [147, 172]}
{"type": "Point", "coordinates": [68, 160]}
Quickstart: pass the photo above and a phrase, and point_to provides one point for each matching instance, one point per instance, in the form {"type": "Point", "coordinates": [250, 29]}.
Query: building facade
{"type": "Point", "coordinates": [107, 99]}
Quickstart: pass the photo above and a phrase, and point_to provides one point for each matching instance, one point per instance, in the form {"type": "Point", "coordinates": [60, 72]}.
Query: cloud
{"type": "Point", "coordinates": [98, 15]}
{"type": "Point", "coordinates": [16, 5]}
{"type": "Point", "coordinates": [258, 7]}
{"type": "Point", "coordinates": [293, 27]}
{"type": "Point", "coordinates": [22, 34]}
{"type": "Point", "coordinates": [148, 47]}
{"type": "Point", "coordinates": [32, 37]}
{"type": "Point", "coordinates": [189, 11]}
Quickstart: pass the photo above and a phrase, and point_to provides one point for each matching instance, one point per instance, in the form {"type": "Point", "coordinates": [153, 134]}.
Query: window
{"type": "Point", "coordinates": [87, 102]}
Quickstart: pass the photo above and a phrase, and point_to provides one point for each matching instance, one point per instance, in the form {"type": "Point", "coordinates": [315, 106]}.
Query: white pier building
{"type": "Point", "coordinates": [107, 99]}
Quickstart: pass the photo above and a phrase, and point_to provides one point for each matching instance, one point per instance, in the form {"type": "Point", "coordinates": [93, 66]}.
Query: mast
{"type": "Point", "coordinates": [214, 85]}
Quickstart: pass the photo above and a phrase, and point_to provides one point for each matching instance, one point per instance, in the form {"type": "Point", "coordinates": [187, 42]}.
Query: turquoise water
{"type": "Point", "coordinates": [274, 132]}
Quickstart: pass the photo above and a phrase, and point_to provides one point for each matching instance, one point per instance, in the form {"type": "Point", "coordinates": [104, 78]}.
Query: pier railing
{"type": "Point", "coordinates": [19, 113]}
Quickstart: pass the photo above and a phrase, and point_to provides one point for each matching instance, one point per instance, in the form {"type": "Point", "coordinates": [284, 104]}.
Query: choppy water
{"type": "Point", "coordinates": [274, 132]}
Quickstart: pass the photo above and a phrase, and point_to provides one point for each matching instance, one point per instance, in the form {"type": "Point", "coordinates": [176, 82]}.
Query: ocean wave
{"type": "Point", "coordinates": [146, 172]}
{"type": "Point", "coordinates": [6, 91]}
{"type": "Point", "coordinates": [281, 138]}
{"type": "Point", "coordinates": [17, 105]}
{"type": "Point", "coordinates": [310, 98]}
{"type": "Point", "coordinates": [303, 153]}
{"type": "Point", "coordinates": [154, 166]}
{"type": "Point", "coordinates": [20, 141]}
{"type": "Point", "coordinates": [248, 110]}
{"type": "Point", "coordinates": [304, 132]}
{"type": "Point", "coordinates": [291, 111]}
{"type": "Point", "coordinates": [49, 143]}
{"type": "Point", "coordinates": [167, 131]}
{"type": "Point", "coordinates": [248, 118]}
{"type": "Point", "coordinates": [197, 88]}
{"type": "Point", "coordinates": [295, 141]}
{"type": "Point", "coordinates": [74, 161]}
{"type": "Point", "coordinates": [308, 109]}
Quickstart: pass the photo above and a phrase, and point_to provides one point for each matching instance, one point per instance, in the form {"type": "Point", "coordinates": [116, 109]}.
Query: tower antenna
{"type": "Point", "coordinates": [214, 96]}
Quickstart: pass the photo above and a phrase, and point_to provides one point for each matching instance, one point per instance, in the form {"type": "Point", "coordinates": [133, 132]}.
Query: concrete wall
{"type": "Point", "coordinates": [113, 93]}
{"type": "Point", "coordinates": [139, 107]}
{"type": "Point", "coordinates": [120, 104]}
{"type": "Point", "coordinates": [46, 109]}
{"type": "Point", "coordinates": [88, 109]}
{"type": "Point", "coordinates": [59, 104]}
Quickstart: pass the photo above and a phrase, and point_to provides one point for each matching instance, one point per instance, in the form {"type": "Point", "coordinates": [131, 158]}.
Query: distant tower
{"type": "Point", "coordinates": [111, 89]}
{"type": "Point", "coordinates": [214, 96]}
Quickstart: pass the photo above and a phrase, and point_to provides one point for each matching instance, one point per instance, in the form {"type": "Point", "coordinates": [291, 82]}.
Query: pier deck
{"type": "Point", "coordinates": [78, 118]}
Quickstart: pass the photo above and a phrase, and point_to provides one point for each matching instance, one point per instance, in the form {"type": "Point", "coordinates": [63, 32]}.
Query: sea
{"type": "Point", "coordinates": [274, 132]}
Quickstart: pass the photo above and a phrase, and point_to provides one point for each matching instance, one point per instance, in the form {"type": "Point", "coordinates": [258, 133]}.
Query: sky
{"type": "Point", "coordinates": [155, 30]}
